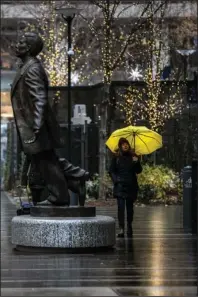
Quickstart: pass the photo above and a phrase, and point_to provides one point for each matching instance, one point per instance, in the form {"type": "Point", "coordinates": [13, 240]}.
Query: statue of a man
{"type": "Point", "coordinates": [37, 128]}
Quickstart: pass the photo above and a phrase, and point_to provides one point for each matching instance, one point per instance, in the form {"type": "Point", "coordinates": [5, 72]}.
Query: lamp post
{"type": "Point", "coordinates": [68, 15]}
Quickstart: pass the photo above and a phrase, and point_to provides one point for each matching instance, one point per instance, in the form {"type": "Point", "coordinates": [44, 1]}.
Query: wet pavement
{"type": "Point", "coordinates": [160, 260]}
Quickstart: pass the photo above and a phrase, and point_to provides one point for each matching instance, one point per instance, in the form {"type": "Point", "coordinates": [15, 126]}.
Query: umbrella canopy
{"type": "Point", "coordinates": [143, 140]}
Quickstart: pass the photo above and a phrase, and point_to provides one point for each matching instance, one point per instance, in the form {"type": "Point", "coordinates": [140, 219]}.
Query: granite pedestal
{"type": "Point", "coordinates": [45, 210]}
{"type": "Point", "coordinates": [51, 229]}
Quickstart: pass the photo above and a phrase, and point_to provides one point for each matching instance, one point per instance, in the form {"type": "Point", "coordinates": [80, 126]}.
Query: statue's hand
{"type": "Point", "coordinates": [36, 132]}
{"type": "Point", "coordinates": [87, 176]}
{"type": "Point", "coordinates": [33, 139]}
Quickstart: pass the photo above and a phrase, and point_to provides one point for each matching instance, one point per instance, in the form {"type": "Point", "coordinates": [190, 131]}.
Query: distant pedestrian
{"type": "Point", "coordinates": [124, 168]}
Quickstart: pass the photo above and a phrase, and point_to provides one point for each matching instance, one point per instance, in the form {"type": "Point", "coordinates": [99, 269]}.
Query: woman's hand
{"type": "Point", "coordinates": [135, 159]}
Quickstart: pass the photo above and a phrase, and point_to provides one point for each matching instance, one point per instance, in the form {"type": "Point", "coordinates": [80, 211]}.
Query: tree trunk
{"type": "Point", "coordinates": [106, 99]}
{"type": "Point", "coordinates": [102, 140]}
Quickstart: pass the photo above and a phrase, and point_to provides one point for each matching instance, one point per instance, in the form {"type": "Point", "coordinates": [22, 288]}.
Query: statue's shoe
{"type": "Point", "coordinates": [53, 200]}
{"type": "Point", "coordinates": [86, 176]}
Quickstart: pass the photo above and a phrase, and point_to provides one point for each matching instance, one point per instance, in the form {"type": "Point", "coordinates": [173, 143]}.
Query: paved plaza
{"type": "Point", "coordinates": [159, 261]}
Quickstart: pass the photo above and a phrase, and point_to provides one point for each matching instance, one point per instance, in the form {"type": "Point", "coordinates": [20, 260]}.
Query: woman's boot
{"type": "Point", "coordinates": [129, 231]}
{"type": "Point", "coordinates": [121, 232]}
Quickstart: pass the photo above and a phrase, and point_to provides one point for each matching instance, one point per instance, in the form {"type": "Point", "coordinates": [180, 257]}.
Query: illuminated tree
{"type": "Point", "coordinates": [54, 34]}
{"type": "Point", "coordinates": [152, 103]}
{"type": "Point", "coordinates": [114, 40]}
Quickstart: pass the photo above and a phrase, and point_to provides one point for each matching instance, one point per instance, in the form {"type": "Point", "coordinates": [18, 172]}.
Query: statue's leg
{"type": "Point", "coordinates": [24, 172]}
{"type": "Point", "coordinates": [78, 186]}
{"type": "Point", "coordinates": [36, 195]}
{"type": "Point", "coordinates": [39, 194]}
{"type": "Point", "coordinates": [76, 178]}
{"type": "Point", "coordinates": [73, 172]}
{"type": "Point", "coordinates": [39, 191]}
{"type": "Point", "coordinates": [49, 168]}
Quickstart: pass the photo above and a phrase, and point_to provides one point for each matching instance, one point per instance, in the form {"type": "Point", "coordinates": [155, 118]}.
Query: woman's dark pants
{"type": "Point", "coordinates": [122, 203]}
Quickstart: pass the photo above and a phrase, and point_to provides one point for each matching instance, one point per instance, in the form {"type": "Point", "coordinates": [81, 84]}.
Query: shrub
{"type": "Point", "coordinates": [92, 186]}
{"type": "Point", "coordinates": [158, 184]}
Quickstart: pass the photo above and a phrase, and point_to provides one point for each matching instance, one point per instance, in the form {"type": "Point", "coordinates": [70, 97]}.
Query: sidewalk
{"type": "Point", "coordinates": [159, 261]}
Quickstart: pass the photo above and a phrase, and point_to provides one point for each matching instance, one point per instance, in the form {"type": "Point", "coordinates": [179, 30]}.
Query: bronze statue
{"type": "Point", "coordinates": [37, 127]}
{"type": "Point", "coordinates": [74, 175]}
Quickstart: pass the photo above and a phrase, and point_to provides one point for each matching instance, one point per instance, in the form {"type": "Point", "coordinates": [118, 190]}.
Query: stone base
{"type": "Point", "coordinates": [72, 233]}
{"type": "Point", "coordinates": [62, 211]}
{"type": "Point", "coordinates": [44, 250]}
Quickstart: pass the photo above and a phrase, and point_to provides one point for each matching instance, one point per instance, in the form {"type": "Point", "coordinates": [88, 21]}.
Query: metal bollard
{"type": "Point", "coordinates": [187, 199]}
{"type": "Point", "coordinates": [194, 196]}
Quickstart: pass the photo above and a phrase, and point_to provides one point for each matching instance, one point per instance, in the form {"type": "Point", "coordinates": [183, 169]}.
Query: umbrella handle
{"type": "Point", "coordinates": [134, 140]}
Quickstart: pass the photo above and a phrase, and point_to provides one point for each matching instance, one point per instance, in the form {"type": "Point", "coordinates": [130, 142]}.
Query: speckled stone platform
{"type": "Point", "coordinates": [55, 232]}
{"type": "Point", "coordinates": [62, 211]}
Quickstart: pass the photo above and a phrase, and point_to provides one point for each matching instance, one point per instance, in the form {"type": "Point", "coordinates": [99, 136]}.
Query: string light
{"type": "Point", "coordinates": [151, 103]}
{"type": "Point", "coordinates": [54, 56]}
{"type": "Point", "coordinates": [135, 74]}
{"type": "Point", "coordinates": [110, 41]}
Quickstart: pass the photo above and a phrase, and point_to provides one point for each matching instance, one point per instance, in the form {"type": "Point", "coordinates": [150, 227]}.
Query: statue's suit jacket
{"type": "Point", "coordinates": [32, 111]}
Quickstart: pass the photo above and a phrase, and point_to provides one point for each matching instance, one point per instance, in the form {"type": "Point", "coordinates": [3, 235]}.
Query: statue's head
{"type": "Point", "coordinates": [29, 44]}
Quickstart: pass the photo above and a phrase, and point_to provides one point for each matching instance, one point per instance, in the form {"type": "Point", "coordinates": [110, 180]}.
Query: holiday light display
{"type": "Point", "coordinates": [152, 103]}
{"type": "Point", "coordinates": [115, 39]}
{"type": "Point", "coordinates": [54, 56]}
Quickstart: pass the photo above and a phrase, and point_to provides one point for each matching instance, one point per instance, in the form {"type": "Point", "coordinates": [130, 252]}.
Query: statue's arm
{"type": "Point", "coordinates": [37, 91]}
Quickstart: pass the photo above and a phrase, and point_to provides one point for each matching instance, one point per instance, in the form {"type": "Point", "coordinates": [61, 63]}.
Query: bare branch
{"type": "Point", "coordinates": [124, 9]}
{"type": "Point", "coordinates": [97, 3]}
{"type": "Point", "coordinates": [115, 6]}
{"type": "Point", "coordinates": [89, 25]}
{"type": "Point", "coordinates": [146, 8]}
{"type": "Point", "coordinates": [134, 29]}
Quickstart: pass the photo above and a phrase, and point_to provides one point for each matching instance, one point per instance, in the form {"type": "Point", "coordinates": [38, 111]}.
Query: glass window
{"type": "Point", "coordinates": [7, 62]}
{"type": "Point", "coordinates": [7, 78]}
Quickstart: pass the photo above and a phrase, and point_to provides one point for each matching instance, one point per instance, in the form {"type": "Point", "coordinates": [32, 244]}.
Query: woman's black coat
{"type": "Point", "coordinates": [123, 171]}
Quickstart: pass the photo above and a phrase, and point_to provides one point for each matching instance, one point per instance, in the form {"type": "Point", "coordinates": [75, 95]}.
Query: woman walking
{"type": "Point", "coordinates": [124, 168]}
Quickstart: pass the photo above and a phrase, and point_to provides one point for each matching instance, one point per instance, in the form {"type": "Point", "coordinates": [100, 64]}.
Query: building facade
{"type": "Point", "coordinates": [180, 17]}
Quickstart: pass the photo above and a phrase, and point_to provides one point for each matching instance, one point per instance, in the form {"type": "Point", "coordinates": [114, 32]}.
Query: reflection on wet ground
{"type": "Point", "coordinates": [159, 261]}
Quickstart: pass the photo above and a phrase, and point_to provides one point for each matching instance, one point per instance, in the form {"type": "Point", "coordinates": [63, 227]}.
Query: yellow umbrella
{"type": "Point", "coordinates": [143, 140]}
